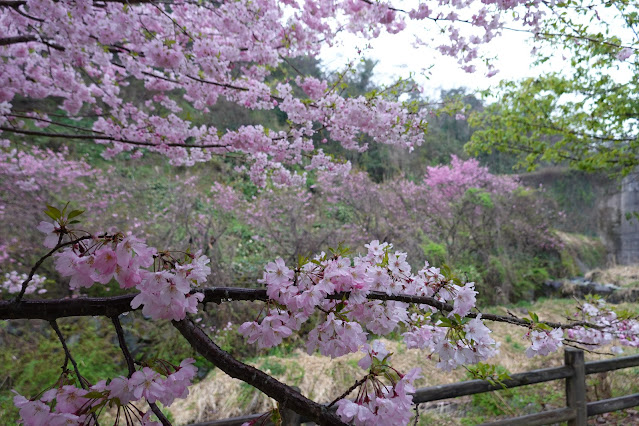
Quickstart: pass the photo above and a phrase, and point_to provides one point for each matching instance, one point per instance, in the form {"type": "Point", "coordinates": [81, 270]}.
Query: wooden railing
{"type": "Point", "coordinates": [574, 371]}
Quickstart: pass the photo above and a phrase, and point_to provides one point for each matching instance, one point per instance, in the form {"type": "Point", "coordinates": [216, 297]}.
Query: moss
{"type": "Point", "coordinates": [568, 263]}
{"type": "Point", "coordinates": [580, 252]}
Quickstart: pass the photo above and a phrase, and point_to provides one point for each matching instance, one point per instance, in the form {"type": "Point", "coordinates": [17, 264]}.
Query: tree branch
{"type": "Point", "coordinates": [285, 395]}
{"type": "Point", "coordinates": [42, 259]}
{"type": "Point", "coordinates": [67, 353]}
{"type": "Point", "coordinates": [107, 306]}
{"type": "Point", "coordinates": [116, 305]}
{"type": "Point", "coordinates": [17, 39]}
{"type": "Point", "coordinates": [68, 357]}
{"type": "Point", "coordinates": [130, 363]}
{"type": "Point", "coordinates": [105, 138]}
{"type": "Point", "coordinates": [12, 3]}
{"type": "Point", "coordinates": [156, 410]}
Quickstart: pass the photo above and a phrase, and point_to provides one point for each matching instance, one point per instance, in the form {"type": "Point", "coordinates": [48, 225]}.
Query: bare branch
{"type": "Point", "coordinates": [105, 138]}
{"type": "Point", "coordinates": [17, 39]}
{"type": "Point", "coordinates": [67, 353]}
{"type": "Point", "coordinates": [130, 363]}
{"type": "Point", "coordinates": [12, 3]}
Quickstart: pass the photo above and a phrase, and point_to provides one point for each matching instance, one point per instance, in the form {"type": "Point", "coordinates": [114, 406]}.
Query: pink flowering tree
{"type": "Point", "coordinates": [72, 70]}
{"type": "Point", "coordinates": [29, 178]}
{"type": "Point", "coordinates": [470, 207]}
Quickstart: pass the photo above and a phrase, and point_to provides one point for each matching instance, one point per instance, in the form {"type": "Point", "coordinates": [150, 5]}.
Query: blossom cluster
{"type": "Point", "coordinates": [164, 294]}
{"type": "Point", "coordinates": [378, 403]}
{"type": "Point", "coordinates": [13, 283]}
{"type": "Point", "coordinates": [374, 293]}
{"type": "Point", "coordinates": [544, 342]}
{"type": "Point", "coordinates": [339, 285]}
{"type": "Point", "coordinates": [68, 405]}
{"type": "Point", "coordinates": [607, 325]}
{"type": "Point", "coordinates": [469, 343]}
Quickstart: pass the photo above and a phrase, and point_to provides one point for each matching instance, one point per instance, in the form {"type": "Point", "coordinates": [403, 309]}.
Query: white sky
{"type": "Point", "coordinates": [398, 58]}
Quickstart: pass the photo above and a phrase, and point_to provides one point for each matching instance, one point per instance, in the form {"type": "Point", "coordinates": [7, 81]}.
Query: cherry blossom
{"type": "Point", "coordinates": [72, 405]}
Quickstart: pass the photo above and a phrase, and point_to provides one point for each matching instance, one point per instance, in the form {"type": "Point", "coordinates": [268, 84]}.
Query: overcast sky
{"type": "Point", "coordinates": [398, 58]}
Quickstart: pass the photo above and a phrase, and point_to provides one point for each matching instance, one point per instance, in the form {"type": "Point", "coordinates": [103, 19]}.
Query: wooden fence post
{"type": "Point", "coordinates": [576, 386]}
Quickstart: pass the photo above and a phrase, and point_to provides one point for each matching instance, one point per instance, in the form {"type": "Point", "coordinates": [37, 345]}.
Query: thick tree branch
{"type": "Point", "coordinates": [107, 306]}
{"type": "Point", "coordinates": [12, 3]}
{"type": "Point", "coordinates": [116, 305]}
{"type": "Point", "coordinates": [17, 39]}
{"type": "Point", "coordinates": [286, 396]}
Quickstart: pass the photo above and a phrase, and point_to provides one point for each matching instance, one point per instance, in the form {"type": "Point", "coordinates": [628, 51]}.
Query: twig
{"type": "Point", "coordinates": [130, 363]}
{"type": "Point", "coordinates": [107, 138]}
{"type": "Point", "coordinates": [68, 357]}
{"type": "Point", "coordinates": [351, 389]}
{"type": "Point", "coordinates": [156, 410]}
{"type": "Point", "coordinates": [55, 327]}
{"type": "Point", "coordinates": [580, 345]}
{"type": "Point", "coordinates": [25, 283]}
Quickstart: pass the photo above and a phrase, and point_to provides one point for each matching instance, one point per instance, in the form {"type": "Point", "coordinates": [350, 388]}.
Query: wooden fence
{"type": "Point", "coordinates": [574, 371]}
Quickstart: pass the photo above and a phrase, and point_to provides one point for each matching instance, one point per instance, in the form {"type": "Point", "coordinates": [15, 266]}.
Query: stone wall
{"type": "Point", "coordinates": [628, 252]}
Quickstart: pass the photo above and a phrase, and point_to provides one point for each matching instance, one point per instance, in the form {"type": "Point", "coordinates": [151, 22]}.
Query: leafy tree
{"type": "Point", "coordinates": [584, 116]}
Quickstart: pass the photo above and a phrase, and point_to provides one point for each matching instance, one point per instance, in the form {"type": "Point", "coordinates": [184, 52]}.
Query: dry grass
{"type": "Point", "coordinates": [323, 379]}
{"type": "Point", "coordinates": [623, 276]}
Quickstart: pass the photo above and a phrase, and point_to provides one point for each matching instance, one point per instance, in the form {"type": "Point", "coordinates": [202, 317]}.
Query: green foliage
{"type": "Point", "coordinates": [583, 116]}
{"type": "Point", "coordinates": [469, 273]}
{"type": "Point", "coordinates": [479, 197]}
{"type": "Point", "coordinates": [495, 374]}
{"type": "Point", "coordinates": [512, 402]}
{"type": "Point", "coordinates": [272, 367]}
{"type": "Point", "coordinates": [433, 252]}
{"type": "Point", "coordinates": [90, 342]}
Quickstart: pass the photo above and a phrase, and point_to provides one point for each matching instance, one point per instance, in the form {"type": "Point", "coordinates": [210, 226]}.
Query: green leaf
{"type": "Point", "coordinates": [533, 316]}
{"type": "Point", "coordinates": [75, 213]}
{"type": "Point", "coordinates": [543, 326]}
{"type": "Point", "coordinates": [93, 394]}
{"type": "Point", "coordinates": [53, 212]}
{"type": "Point", "coordinates": [52, 215]}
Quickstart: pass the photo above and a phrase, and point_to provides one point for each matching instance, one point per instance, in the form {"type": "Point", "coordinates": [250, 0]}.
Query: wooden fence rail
{"type": "Point", "coordinates": [574, 371]}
